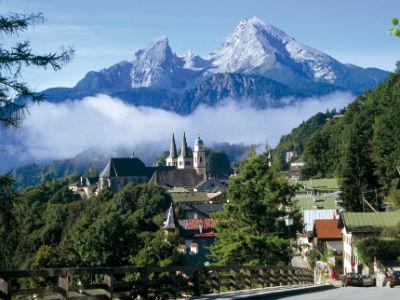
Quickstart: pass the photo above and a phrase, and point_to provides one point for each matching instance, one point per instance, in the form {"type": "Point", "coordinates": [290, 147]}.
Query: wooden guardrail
{"type": "Point", "coordinates": [146, 282]}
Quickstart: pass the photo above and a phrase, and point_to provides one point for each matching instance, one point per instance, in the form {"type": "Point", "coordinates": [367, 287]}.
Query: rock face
{"type": "Point", "coordinates": [158, 77]}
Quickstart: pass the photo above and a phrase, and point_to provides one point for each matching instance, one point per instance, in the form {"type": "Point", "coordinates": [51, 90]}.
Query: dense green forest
{"type": "Point", "coordinates": [361, 148]}
{"type": "Point", "coordinates": [49, 226]}
{"type": "Point", "coordinates": [296, 140]}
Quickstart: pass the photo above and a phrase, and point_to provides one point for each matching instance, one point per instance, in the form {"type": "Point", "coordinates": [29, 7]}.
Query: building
{"type": "Point", "coordinates": [188, 160]}
{"type": "Point", "coordinates": [358, 225]}
{"type": "Point", "coordinates": [86, 187]}
{"type": "Point", "coordinates": [327, 236]}
{"type": "Point", "coordinates": [119, 172]}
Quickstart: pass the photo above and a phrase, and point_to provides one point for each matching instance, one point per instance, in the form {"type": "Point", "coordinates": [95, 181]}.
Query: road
{"type": "Point", "coordinates": [350, 293]}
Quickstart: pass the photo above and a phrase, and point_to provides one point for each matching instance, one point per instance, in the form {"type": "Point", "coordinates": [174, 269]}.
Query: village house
{"type": "Point", "coordinates": [358, 225]}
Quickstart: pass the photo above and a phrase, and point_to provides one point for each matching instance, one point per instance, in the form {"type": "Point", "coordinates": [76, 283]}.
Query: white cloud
{"type": "Point", "coordinates": [54, 131]}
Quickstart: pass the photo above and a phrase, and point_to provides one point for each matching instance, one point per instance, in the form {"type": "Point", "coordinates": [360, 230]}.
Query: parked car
{"type": "Point", "coordinates": [394, 279]}
{"type": "Point", "coordinates": [354, 279]}
{"type": "Point", "coordinates": [368, 280]}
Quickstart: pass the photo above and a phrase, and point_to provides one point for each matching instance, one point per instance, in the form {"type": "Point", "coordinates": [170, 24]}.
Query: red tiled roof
{"type": "Point", "coordinates": [193, 224]}
{"type": "Point", "coordinates": [327, 229]}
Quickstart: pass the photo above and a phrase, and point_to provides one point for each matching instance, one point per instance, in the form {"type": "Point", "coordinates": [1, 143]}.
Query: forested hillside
{"type": "Point", "coordinates": [49, 226]}
{"type": "Point", "coordinates": [296, 140]}
{"type": "Point", "coordinates": [362, 147]}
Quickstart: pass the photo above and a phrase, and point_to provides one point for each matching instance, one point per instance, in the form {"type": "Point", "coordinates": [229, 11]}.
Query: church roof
{"type": "Point", "coordinates": [170, 221]}
{"type": "Point", "coordinates": [124, 167]}
{"type": "Point", "coordinates": [168, 178]}
{"type": "Point", "coordinates": [199, 141]}
{"type": "Point", "coordinates": [172, 152]}
{"type": "Point", "coordinates": [184, 148]}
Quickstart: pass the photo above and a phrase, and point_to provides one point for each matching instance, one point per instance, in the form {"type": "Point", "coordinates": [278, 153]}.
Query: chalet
{"type": "Point", "coordinates": [358, 225]}
{"type": "Point", "coordinates": [327, 235]}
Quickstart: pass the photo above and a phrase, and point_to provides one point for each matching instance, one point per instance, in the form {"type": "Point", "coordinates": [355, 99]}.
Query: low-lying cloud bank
{"type": "Point", "coordinates": [55, 131]}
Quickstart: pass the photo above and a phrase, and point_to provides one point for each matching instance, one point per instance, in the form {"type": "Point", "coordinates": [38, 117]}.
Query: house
{"type": "Point", "coordinates": [311, 215]}
{"type": "Point", "coordinates": [328, 236]}
{"type": "Point", "coordinates": [295, 167]}
{"type": "Point", "coordinates": [290, 155]}
{"type": "Point", "coordinates": [358, 225]}
{"type": "Point", "coordinates": [86, 187]}
{"type": "Point", "coordinates": [211, 185]}
{"type": "Point", "coordinates": [196, 235]}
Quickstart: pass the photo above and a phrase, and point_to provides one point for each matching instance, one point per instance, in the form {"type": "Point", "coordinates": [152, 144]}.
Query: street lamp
{"type": "Point", "coordinates": [289, 222]}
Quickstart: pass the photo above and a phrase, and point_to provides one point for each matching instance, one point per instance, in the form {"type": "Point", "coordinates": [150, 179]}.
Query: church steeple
{"type": "Point", "coordinates": [184, 150]}
{"type": "Point", "coordinates": [172, 152]}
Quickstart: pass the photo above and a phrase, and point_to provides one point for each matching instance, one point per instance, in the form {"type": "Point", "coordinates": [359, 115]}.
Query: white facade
{"type": "Point", "coordinates": [350, 260]}
{"type": "Point", "coordinates": [199, 158]}
{"type": "Point", "coordinates": [187, 160]}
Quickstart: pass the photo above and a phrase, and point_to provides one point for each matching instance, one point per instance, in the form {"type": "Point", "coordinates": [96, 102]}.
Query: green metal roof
{"type": "Point", "coordinates": [307, 202]}
{"type": "Point", "coordinates": [369, 221]}
{"type": "Point", "coordinates": [327, 184]}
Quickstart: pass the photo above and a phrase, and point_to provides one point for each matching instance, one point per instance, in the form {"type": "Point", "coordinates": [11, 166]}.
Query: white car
{"type": "Point", "coordinates": [368, 280]}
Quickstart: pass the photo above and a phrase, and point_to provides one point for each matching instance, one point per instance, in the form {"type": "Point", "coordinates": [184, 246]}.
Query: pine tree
{"type": "Point", "coordinates": [14, 93]}
{"type": "Point", "coordinates": [251, 228]}
{"type": "Point", "coordinates": [359, 170]}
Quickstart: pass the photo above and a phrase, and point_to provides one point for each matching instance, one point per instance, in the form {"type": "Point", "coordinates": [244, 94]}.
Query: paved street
{"type": "Point", "coordinates": [350, 293]}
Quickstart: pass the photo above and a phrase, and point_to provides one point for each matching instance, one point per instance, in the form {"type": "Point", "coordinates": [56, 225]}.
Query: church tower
{"type": "Point", "coordinates": [199, 158]}
{"type": "Point", "coordinates": [185, 161]}
{"type": "Point", "coordinates": [172, 159]}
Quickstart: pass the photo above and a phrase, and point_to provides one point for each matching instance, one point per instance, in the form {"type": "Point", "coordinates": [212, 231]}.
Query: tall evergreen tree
{"type": "Point", "coordinates": [251, 228]}
{"type": "Point", "coordinates": [359, 170]}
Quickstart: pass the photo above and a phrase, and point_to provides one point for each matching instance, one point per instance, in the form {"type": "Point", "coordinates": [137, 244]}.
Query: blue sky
{"type": "Point", "coordinates": [106, 32]}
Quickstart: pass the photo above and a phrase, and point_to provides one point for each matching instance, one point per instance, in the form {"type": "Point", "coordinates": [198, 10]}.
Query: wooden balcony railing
{"type": "Point", "coordinates": [146, 282]}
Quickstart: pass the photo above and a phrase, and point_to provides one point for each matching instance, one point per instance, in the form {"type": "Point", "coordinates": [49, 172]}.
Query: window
{"type": "Point", "coordinates": [180, 163]}
{"type": "Point", "coordinates": [201, 159]}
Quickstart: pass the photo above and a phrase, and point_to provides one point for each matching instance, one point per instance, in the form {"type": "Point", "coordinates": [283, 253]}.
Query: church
{"type": "Point", "coordinates": [188, 160]}
{"type": "Point", "coordinates": [186, 170]}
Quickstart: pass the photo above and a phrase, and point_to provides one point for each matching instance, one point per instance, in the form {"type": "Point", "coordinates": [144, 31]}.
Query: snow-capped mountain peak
{"type": "Point", "coordinates": [153, 64]}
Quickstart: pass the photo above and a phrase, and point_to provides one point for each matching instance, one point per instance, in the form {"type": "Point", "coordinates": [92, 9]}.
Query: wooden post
{"type": "Point", "coordinates": [267, 277]}
{"type": "Point", "coordinates": [215, 282]}
{"type": "Point", "coordinates": [144, 288]}
{"type": "Point", "coordinates": [109, 283]}
{"type": "Point", "coordinates": [295, 276]}
{"type": "Point", "coordinates": [283, 276]}
{"type": "Point", "coordinates": [196, 283]}
{"type": "Point", "coordinates": [274, 277]}
{"type": "Point", "coordinates": [5, 288]}
{"type": "Point", "coordinates": [172, 285]}
{"type": "Point", "coordinates": [233, 280]}
{"type": "Point", "coordinates": [63, 285]}
{"type": "Point", "coordinates": [261, 277]}
{"type": "Point", "coordinates": [290, 276]}
{"type": "Point", "coordinates": [247, 279]}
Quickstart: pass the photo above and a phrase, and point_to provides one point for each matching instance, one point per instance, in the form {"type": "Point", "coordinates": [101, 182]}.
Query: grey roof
{"type": "Point", "coordinates": [205, 209]}
{"type": "Point", "coordinates": [170, 221]}
{"type": "Point", "coordinates": [168, 178]}
{"type": "Point", "coordinates": [184, 150]}
{"type": "Point", "coordinates": [211, 185]}
{"type": "Point", "coordinates": [124, 167]}
{"type": "Point", "coordinates": [172, 151]}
